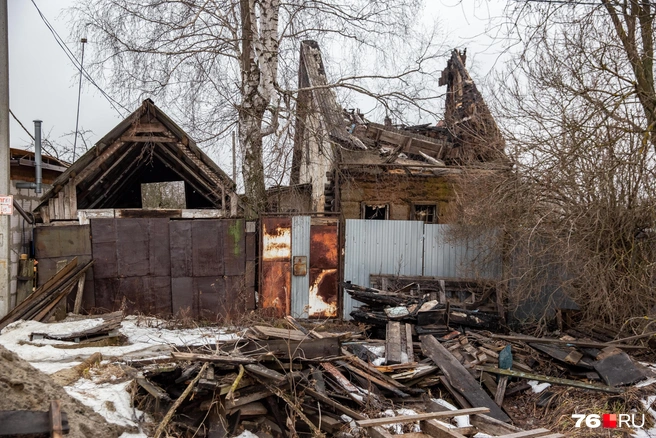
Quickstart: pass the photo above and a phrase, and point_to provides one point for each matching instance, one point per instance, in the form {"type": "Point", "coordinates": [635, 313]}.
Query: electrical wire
{"type": "Point", "coordinates": [113, 102]}
{"type": "Point", "coordinates": [21, 124]}
{"type": "Point", "coordinates": [79, 94]}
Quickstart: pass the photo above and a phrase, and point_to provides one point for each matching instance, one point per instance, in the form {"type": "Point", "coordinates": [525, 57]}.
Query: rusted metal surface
{"type": "Point", "coordinates": [275, 280]}
{"type": "Point", "coordinates": [300, 265]}
{"type": "Point", "coordinates": [210, 276]}
{"type": "Point", "coordinates": [323, 271]}
{"type": "Point", "coordinates": [53, 244]}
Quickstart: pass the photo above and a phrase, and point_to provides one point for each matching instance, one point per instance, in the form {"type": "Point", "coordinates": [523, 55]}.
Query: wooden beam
{"type": "Point", "coordinates": [437, 430]}
{"type": "Point", "coordinates": [459, 377]}
{"type": "Point", "coordinates": [584, 344]}
{"type": "Point", "coordinates": [148, 139]}
{"type": "Point", "coordinates": [553, 380]}
{"type": "Point", "coordinates": [56, 429]}
{"type": "Point", "coordinates": [78, 296]}
{"type": "Point", "coordinates": [529, 433]}
{"type": "Point", "coordinates": [419, 417]}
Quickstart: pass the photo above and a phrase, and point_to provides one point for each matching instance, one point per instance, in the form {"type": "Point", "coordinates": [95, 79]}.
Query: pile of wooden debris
{"type": "Point", "coordinates": [283, 382]}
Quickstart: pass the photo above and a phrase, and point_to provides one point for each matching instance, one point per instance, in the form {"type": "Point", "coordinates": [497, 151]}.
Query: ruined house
{"type": "Point", "coordinates": [367, 170]}
{"type": "Point", "coordinates": [158, 217]}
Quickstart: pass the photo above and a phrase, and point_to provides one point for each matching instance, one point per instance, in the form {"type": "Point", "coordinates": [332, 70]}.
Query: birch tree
{"type": "Point", "coordinates": [225, 63]}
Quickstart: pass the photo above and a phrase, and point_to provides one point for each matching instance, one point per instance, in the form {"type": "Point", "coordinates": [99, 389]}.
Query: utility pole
{"type": "Point", "coordinates": [4, 159]}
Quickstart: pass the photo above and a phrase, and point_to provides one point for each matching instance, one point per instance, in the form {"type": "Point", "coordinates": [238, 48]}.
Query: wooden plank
{"type": "Point", "coordinates": [153, 389]}
{"type": "Point", "coordinates": [552, 380]}
{"type": "Point", "coordinates": [148, 139]}
{"type": "Point", "coordinates": [28, 423]}
{"type": "Point", "coordinates": [528, 433]}
{"type": "Point", "coordinates": [484, 423]}
{"type": "Point", "coordinates": [437, 430]}
{"type": "Point", "coordinates": [460, 378]}
{"type": "Point", "coordinates": [419, 417]}
{"type": "Point", "coordinates": [330, 402]}
{"type": "Point", "coordinates": [306, 349]}
{"type": "Point", "coordinates": [56, 428]}
{"type": "Point", "coordinates": [272, 332]}
{"type": "Point", "coordinates": [230, 360]}
{"type": "Point", "coordinates": [352, 390]}
{"type": "Point", "coordinates": [373, 379]}
{"type": "Point", "coordinates": [409, 346]}
{"type": "Point", "coordinates": [80, 292]}
{"type": "Point", "coordinates": [585, 344]}
{"type": "Point", "coordinates": [266, 373]}
{"type": "Point", "coordinates": [393, 343]}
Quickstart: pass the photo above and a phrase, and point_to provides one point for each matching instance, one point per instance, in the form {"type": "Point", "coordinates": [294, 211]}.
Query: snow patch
{"type": "Point", "coordinates": [112, 401]}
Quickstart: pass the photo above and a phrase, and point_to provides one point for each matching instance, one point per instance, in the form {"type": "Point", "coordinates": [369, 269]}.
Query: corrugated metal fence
{"type": "Point", "coordinates": [411, 248]}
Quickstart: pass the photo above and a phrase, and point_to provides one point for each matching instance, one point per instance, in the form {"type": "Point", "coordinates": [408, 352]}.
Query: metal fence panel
{"type": "Point", "coordinates": [447, 257]}
{"type": "Point", "coordinates": [300, 283]}
{"type": "Point", "coordinates": [380, 247]}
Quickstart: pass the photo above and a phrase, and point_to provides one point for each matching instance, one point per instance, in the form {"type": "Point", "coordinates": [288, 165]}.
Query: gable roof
{"type": "Point", "coordinates": [146, 137]}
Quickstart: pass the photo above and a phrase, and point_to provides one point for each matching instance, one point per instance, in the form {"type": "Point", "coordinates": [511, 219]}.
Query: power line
{"type": "Point", "coordinates": [76, 63]}
{"type": "Point", "coordinates": [79, 94]}
{"type": "Point", "coordinates": [21, 124]}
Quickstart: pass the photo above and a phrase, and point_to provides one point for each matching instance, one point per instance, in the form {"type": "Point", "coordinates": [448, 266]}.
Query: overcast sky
{"type": "Point", "coordinates": [44, 83]}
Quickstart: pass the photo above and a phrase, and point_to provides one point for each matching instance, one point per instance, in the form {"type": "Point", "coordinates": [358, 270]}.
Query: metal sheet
{"type": "Point", "coordinates": [132, 247]}
{"type": "Point", "coordinates": [380, 247]}
{"type": "Point", "coordinates": [103, 232]}
{"type": "Point", "coordinates": [234, 247]}
{"type": "Point", "coordinates": [275, 282]}
{"type": "Point", "coordinates": [447, 257]}
{"type": "Point", "coordinates": [323, 298]}
{"type": "Point", "coordinates": [159, 248]}
{"type": "Point", "coordinates": [211, 297]}
{"type": "Point", "coordinates": [180, 246]}
{"type": "Point", "coordinates": [207, 247]}
{"type": "Point", "coordinates": [301, 283]}
{"type": "Point", "coordinates": [184, 297]}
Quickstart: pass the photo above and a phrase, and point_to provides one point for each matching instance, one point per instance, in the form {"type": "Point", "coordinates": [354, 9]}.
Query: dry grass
{"type": "Point", "coordinates": [557, 415]}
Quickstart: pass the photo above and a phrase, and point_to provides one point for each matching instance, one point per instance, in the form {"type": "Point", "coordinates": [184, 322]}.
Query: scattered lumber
{"type": "Point", "coordinates": [108, 328]}
{"type": "Point", "coordinates": [419, 417]}
{"type": "Point", "coordinates": [40, 304]}
{"type": "Point", "coordinates": [460, 378]}
{"type": "Point", "coordinates": [586, 344]}
{"type": "Point", "coordinates": [553, 380]}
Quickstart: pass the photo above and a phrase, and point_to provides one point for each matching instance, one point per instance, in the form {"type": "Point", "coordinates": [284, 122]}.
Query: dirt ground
{"type": "Point", "coordinates": [23, 387]}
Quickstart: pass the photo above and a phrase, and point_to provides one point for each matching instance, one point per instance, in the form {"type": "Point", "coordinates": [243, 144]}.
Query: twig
{"type": "Point", "coordinates": [178, 402]}
{"type": "Point", "coordinates": [233, 388]}
{"type": "Point", "coordinates": [315, 431]}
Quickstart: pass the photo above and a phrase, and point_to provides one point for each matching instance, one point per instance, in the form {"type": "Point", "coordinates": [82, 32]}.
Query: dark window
{"type": "Point", "coordinates": [375, 211]}
{"type": "Point", "coordinates": [425, 213]}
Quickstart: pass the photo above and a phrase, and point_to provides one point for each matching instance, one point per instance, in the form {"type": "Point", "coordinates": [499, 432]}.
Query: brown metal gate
{"type": "Point", "coordinates": [300, 266]}
{"type": "Point", "coordinates": [157, 266]}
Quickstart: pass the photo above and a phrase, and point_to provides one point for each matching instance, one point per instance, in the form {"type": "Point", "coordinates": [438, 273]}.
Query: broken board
{"type": "Point", "coordinates": [460, 378]}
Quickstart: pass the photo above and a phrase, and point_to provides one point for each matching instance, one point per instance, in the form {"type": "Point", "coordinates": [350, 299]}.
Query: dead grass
{"type": "Point", "coordinates": [557, 415]}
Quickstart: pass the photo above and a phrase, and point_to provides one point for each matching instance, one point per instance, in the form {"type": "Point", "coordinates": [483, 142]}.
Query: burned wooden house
{"type": "Point", "coordinates": [159, 219]}
{"type": "Point", "coordinates": [367, 170]}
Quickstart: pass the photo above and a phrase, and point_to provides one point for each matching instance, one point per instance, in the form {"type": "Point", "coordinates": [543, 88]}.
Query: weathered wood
{"type": "Point", "coordinates": [229, 360]}
{"type": "Point", "coordinates": [28, 423]}
{"type": "Point", "coordinates": [586, 344]}
{"type": "Point", "coordinates": [459, 377]}
{"type": "Point", "coordinates": [56, 428]}
{"type": "Point", "coordinates": [153, 389]}
{"type": "Point", "coordinates": [265, 373]}
{"type": "Point", "coordinates": [165, 421]}
{"type": "Point", "coordinates": [437, 430]}
{"type": "Point", "coordinates": [306, 349]}
{"type": "Point", "coordinates": [501, 390]}
{"type": "Point", "coordinates": [372, 379]}
{"type": "Point", "coordinates": [248, 395]}
{"type": "Point", "coordinates": [330, 402]}
{"type": "Point", "coordinates": [80, 292]}
{"type": "Point", "coordinates": [529, 433]}
{"type": "Point", "coordinates": [567, 355]}
{"type": "Point", "coordinates": [393, 343]}
{"type": "Point", "coordinates": [552, 380]}
{"type": "Point", "coordinates": [616, 368]}
{"type": "Point", "coordinates": [409, 347]}
{"type": "Point", "coordinates": [352, 390]}
{"type": "Point", "coordinates": [419, 417]}
{"type": "Point", "coordinates": [272, 332]}
{"type": "Point", "coordinates": [148, 139]}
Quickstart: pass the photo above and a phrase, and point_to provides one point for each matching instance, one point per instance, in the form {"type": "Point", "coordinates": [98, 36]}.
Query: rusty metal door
{"type": "Point", "coordinates": [300, 266]}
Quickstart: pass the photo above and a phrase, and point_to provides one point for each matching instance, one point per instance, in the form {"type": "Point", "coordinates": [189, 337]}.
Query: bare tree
{"type": "Point", "coordinates": [221, 63]}
{"type": "Point", "coordinates": [577, 210]}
